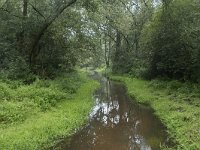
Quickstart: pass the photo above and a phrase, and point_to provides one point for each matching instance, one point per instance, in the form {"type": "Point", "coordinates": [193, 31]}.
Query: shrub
{"type": "Point", "coordinates": [174, 85]}
{"type": "Point", "coordinates": [18, 98]}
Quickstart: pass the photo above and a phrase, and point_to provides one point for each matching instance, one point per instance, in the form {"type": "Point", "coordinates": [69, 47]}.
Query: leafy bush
{"type": "Point", "coordinates": [43, 130]}
{"type": "Point", "coordinates": [5, 92]}
{"type": "Point", "coordinates": [18, 98]}
{"type": "Point", "coordinates": [16, 111]}
{"type": "Point", "coordinates": [43, 97]}
{"type": "Point", "coordinates": [157, 84]}
{"type": "Point", "coordinates": [42, 83]}
{"type": "Point", "coordinates": [70, 83]}
{"type": "Point", "coordinates": [174, 85]}
{"type": "Point", "coordinates": [180, 88]}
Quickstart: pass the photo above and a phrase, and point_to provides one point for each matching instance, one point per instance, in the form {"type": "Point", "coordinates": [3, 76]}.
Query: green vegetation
{"type": "Point", "coordinates": [176, 104]}
{"type": "Point", "coordinates": [170, 42]}
{"type": "Point", "coordinates": [148, 39]}
{"type": "Point", "coordinates": [35, 116]}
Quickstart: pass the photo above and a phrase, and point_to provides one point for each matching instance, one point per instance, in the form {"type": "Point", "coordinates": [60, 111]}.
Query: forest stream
{"type": "Point", "coordinates": [116, 122]}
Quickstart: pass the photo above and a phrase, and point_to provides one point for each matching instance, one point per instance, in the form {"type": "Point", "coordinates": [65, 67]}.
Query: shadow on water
{"type": "Point", "coordinates": [118, 123]}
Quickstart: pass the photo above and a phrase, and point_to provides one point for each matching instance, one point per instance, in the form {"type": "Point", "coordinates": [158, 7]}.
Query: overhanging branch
{"type": "Point", "coordinates": [47, 23]}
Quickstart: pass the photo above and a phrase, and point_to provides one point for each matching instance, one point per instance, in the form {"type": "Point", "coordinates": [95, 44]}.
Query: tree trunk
{"type": "Point", "coordinates": [34, 50]}
{"type": "Point", "coordinates": [25, 8]}
{"type": "Point", "coordinates": [105, 50]}
{"type": "Point", "coordinates": [20, 35]}
{"type": "Point", "coordinates": [117, 55]}
{"type": "Point", "coordinates": [118, 41]}
{"type": "Point", "coordinates": [109, 47]}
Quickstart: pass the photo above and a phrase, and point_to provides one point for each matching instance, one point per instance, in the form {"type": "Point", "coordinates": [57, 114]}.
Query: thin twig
{"type": "Point", "coordinates": [34, 8]}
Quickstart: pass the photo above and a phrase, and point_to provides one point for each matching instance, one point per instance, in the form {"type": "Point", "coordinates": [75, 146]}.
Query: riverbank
{"type": "Point", "coordinates": [176, 104]}
{"type": "Point", "coordinates": [35, 116]}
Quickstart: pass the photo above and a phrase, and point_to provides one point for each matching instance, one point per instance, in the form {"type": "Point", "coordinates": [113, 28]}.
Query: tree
{"type": "Point", "coordinates": [169, 45]}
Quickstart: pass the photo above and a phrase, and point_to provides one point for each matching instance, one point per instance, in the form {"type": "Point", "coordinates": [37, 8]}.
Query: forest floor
{"type": "Point", "coordinates": [176, 104]}
{"type": "Point", "coordinates": [36, 116]}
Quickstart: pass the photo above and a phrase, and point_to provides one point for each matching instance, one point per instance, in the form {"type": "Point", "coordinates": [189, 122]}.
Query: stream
{"type": "Point", "coordinates": [116, 122]}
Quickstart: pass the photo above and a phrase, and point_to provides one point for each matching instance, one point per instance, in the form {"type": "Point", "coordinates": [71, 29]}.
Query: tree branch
{"type": "Point", "coordinates": [48, 22]}
{"type": "Point", "coordinates": [34, 8]}
{"type": "Point", "coordinates": [4, 3]}
{"type": "Point", "coordinates": [9, 12]}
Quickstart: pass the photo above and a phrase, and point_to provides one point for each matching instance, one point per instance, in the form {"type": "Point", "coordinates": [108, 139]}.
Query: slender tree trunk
{"type": "Point", "coordinates": [117, 54]}
{"type": "Point", "coordinates": [20, 35]}
{"type": "Point", "coordinates": [109, 47]}
{"type": "Point", "coordinates": [25, 8]}
{"type": "Point", "coordinates": [118, 41]}
{"type": "Point", "coordinates": [105, 50]}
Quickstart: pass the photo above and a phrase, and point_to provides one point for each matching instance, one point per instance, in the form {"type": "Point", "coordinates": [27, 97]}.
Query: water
{"type": "Point", "coordinates": [118, 123]}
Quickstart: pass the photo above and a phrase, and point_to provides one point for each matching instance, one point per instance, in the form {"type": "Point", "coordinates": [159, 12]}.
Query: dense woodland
{"type": "Point", "coordinates": [145, 38]}
{"type": "Point", "coordinates": [43, 42]}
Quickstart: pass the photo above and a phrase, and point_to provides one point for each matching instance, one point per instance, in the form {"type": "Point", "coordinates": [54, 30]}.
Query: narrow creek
{"type": "Point", "coordinates": [116, 122]}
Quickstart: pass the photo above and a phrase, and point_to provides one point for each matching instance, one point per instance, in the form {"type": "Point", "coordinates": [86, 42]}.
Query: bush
{"type": "Point", "coordinates": [158, 84]}
{"type": "Point", "coordinates": [18, 98]}
{"type": "Point", "coordinates": [174, 85]}
{"type": "Point", "coordinates": [70, 83]}
{"type": "Point", "coordinates": [5, 92]}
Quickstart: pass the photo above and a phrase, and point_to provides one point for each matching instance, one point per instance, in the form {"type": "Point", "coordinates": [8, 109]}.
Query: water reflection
{"type": "Point", "coordinates": [118, 124]}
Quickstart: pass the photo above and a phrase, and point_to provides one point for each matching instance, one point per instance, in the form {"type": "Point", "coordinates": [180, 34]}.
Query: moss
{"type": "Point", "coordinates": [171, 105]}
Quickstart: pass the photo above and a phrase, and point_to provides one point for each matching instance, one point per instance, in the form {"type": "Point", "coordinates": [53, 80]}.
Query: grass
{"type": "Point", "coordinates": [36, 116]}
{"type": "Point", "coordinates": [176, 104]}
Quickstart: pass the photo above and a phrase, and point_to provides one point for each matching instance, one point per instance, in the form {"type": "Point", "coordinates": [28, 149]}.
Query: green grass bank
{"type": "Point", "coordinates": [176, 104]}
{"type": "Point", "coordinates": [36, 116]}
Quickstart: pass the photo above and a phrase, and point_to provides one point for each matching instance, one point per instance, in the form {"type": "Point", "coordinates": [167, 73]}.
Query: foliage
{"type": "Point", "coordinates": [48, 39]}
{"type": "Point", "coordinates": [34, 116]}
{"type": "Point", "coordinates": [144, 38]}
{"type": "Point", "coordinates": [169, 44]}
{"type": "Point", "coordinates": [40, 38]}
{"type": "Point", "coordinates": [18, 101]}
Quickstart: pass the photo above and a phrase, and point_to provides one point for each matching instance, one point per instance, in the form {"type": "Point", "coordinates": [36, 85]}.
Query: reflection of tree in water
{"type": "Point", "coordinates": [114, 113]}
{"type": "Point", "coordinates": [115, 123]}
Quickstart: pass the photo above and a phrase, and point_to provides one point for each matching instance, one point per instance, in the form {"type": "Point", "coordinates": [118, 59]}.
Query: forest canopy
{"type": "Point", "coordinates": [144, 38]}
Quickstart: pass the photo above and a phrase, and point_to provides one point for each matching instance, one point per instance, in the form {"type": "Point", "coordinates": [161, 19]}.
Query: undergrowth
{"type": "Point", "coordinates": [33, 116]}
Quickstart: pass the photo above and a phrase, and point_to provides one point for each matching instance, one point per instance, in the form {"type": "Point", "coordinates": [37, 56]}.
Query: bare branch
{"type": "Point", "coordinates": [128, 8]}
{"type": "Point", "coordinates": [145, 3]}
{"type": "Point", "coordinates": [34, 8]}
{"type": "Point", "coordinates": [9, 12]}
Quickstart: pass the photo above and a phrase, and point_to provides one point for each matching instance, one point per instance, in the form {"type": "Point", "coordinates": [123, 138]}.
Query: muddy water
{"type": "Point", "coordinates": [118, 123]}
